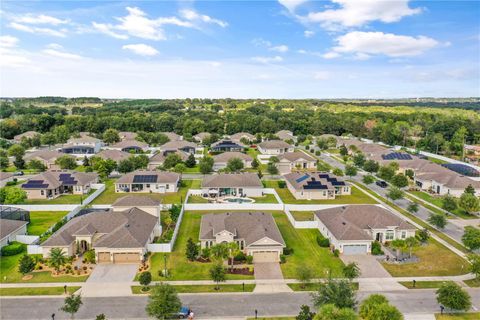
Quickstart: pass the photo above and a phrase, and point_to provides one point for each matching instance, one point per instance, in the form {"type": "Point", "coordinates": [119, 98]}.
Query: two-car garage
{"type": "Point", "coordinates": [118, 257]}
{"type": "Point", "coordinates": [349, 249]}
{"type": "Point", "coordinates": [266, 256]}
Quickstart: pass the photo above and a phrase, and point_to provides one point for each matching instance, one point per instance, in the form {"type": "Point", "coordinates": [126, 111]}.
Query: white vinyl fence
{"type": "Point", "coordinates": [168, 247]}
{"type": "Point", "coordinates": [45, 207]}
{"type": "Point", "coordinates": [26, 239]}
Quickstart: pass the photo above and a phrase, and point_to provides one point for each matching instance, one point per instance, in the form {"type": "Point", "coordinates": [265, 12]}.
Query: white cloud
{"type": "Point", "coordinates": [192, 15]}
{"type": "Point", "coordinates": [106, 29]}
{"type": "Point", "coordinates": [9, 55]}
{"type": "Point", "coordinates": [281, 48]}
{"type": "Point", "coordinates": [8, 41]}
{"type": "Point", "coordinates": [38, 30]}
{"type": "Point", "coordinates": [364, 44]}
{"type": "Point", "coordinates": [57, 50]}
{"type": "Point", "coordinates": [330, 55]}
{"type": "Point", "coordinates": [321, 75]}
{"type": "Point", "coordinates": [355, 13]}
{"type": "Point", "coordinates": [39, 19]}
{"type": "Point", "coordinates": [141, 49]}
{"type": "Point", "coordinates": [291, 5]}
{"type": "Point", "coordinates": [308, 33]}
{"type": "Point", "coordinates": [267, 59]}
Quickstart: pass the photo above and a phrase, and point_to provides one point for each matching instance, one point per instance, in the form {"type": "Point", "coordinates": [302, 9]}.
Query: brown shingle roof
{"type": "Point", "coordinates": [8, 226]}
{"type": "Point", "coordinates": [52, 178]}
{"type": "Point", "coordinates": [162, 176]}
{"type": "Point", "coordinates": [297, 155]}
{"type": "Point", "coordinates": [28, 134]}
{"type": "Point", "coordinates": [274, 144]}
{"type": "Point", "coordinates": [129, 144]}
{"type": "Point", "coordinates": [284, 134]}
{"type": "Point", "coordinates": [224, 157]}
{"type": "Point", "coordinates": [172, 136]}
{"type": "Point", "coordinates": [116, 155]}
{"type": "Point", "coordinates": [226, 180]}
{"type": "Point", "coordinates": [177, 144]}
{"type": "Point", "coordinates": [135, 201]}
{"type": "Point", "coordinates": [45, 155]}
{"type": "Point", "coordinates": [239, 135]}
{"type": "Point", "coordinates": [161, 156]}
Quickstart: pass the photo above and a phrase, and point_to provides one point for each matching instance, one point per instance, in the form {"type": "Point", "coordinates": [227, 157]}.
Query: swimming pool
{"type": "Point", "coordinates": [238, 200]}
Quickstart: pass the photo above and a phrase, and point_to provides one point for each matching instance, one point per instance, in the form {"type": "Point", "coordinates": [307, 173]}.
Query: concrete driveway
{"type": "Point", "coordinates": [369, 266]}
{"type": "Point", "coordinates": [110, 272]}
{"type": "Point", "coordinates": [268, 271]}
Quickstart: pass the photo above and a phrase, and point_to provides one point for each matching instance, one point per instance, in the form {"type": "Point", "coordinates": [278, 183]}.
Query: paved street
{"type": "Point", "coordinates": [208, 306]}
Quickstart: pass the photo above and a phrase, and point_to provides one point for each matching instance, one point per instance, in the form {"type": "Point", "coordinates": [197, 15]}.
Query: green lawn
{"type": "Point", "coordinates": [195, 169]}
{"type": "Point", "coordinates": [197, 199]}
{"type": "Point", "coordinates": [422, 284]}
{"type": "Point", "coordinates": [302, 215]}
{"type": "Point", "coordinates": [203, 288]}
{"type": "Point", "coordinates": [458, 316]}
{"type": "Point", "coordinates": [178, 265]}
{"type": "Point", "coordinates": [36, 291]}
{"type": "Point", "coordinates": [357, 196]}
{"type": "Point", "coordinates": [109, 196]}
{"type": "Point", "coordinates": [267, 198]}
{"type": "Point", "coordinates": [306, 251]}
{"type": "Point", "coordinates": [41, 221]}
{"type": "Point", "coordinates": [474, 283]}
{"type": "Point", "coordinates": [313, 286]}
{"type": "Point", "coordinates": [435, 260]}
{"type": "Point", "coordinates": [438, 201]}
{"type": "Point", "coordinates": [64, 199]}
{"type": "Point", "coordinates": [273, 318]}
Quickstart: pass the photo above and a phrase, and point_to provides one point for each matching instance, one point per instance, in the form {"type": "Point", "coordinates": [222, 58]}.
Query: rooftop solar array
{"type": "Point", "coordinates": [314, 184]}
{"type": "Point", "coordinates": [145, 178]}
{"type": "Point", "coordinates": [35, 184]}
{"type": "Point", "coordinates": [462, 169]}
{"type": "Point", "coordinates": [67, 179]}
{"type": "Point", "coordinates": [397, 156]}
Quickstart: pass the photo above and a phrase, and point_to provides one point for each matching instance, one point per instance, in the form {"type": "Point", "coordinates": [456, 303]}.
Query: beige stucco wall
{"type": "Point", "coordinates": [153, 187]}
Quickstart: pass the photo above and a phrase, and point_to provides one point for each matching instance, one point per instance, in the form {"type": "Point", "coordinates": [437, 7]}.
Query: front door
{"type": "Point", "coordinates": [379, 237]}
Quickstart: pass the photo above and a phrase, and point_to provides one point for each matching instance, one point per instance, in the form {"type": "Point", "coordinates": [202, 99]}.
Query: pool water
{"type": "Point", "coordinates": [238, 200]}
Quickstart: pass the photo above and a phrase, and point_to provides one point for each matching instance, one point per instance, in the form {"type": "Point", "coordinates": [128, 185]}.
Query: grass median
{"type": "Point", "coordinates": [37, 291]}
{"type": "Point", "coordinates": [223, 288]}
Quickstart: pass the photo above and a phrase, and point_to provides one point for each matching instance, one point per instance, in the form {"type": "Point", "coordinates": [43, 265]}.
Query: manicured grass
{"type": "Point", "coordinates": [313, 286]}
{"type": "Point", "coordinates": [435, 260]}
{"type": "Point", "coordinates": [357, 196]}
{"type": "Point", "coordinates": [474, 283]}
{"type": "Point", "coordinates": [302, 215]}
{"type": "Point", "coordinates": [306, 251]}
{"type": "Point", "coordinates": [109, 196]}
{"type": "Point", "coordinates": [36, 291]}
{"type": "Point", "coordinates": [267, 198]}
{"type": "Point", "coordinates": [203, 288]}
{"type": "Point", "coordinates": [458, 316]}
{"type": "Point", "coordinates": [436, 160]}
{"type": "Point", "coordinates": [178, 265]}
{"type": "Point", "coordinates": [64, 199]}
{"type": "Point", "coordinates": [41, 221]}
{"type": "Point", "coordinates": [195, 169]}
{"type": "Point", "coordinates": [422, 284]}
{"type": "Point", "coordinates": [438, 201]}
{"type": "Point", "coordinates": [272, 318]}
{"type": "Point", "coordinates": [197, 199]}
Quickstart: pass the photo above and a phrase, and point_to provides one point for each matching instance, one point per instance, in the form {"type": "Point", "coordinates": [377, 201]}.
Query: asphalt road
{"type": "Point", "coordinates": [209, 306]}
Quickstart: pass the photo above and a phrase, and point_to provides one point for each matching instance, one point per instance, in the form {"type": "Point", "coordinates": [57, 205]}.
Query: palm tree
{"type": "Point", "coordinates": [220, 251]}
{"type": "Point", "coordinates": [233, 249]}
{"type": "Point", "coordinates": [57, 258]}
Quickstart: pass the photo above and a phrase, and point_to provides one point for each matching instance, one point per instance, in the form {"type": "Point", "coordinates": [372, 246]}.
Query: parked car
{"type": "Point", "coordinates": [381, 184]}
{"type": "Point", "coordinates": [181, 314]}
{"type": "Point", "coordinates": [18, 173]}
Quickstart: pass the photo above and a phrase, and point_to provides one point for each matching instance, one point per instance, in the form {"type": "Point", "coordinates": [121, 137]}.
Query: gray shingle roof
{"type": "Point", "coordinates": [224, 157]}
{"type": "Point", "coordinates": [297, 155]}
{"type": "Point", "coordinates": [172, 136]}
{"type": "Point", "coordinates": [28, 134]}
{"type": "Point", "coordinates": [160, 157]}
{"type": "Point", "coordinates": [135, 201]}
{"type": "Point", "coordinates": [284, 134]}
{"type": "Point", "coordinates": [52, 178]}
{"type": "Point", "coordinates": [116, 155]}
{"type": "Point", "coordinates": [5, 175]}
{"type": "Point", "coordinates": [129, 144]}
{"type": "Point", "coordinates": [8, 226]}
{"type": "Point", "coordinates": [229, 180]}
{"type": "Point", "coordinates": [45, 155]}
{"type": "Point", "coordinates": [162, 176]}
{"type": "Point", "coordinates": [301, 180]}
{"type": "Point", "coordinates": [239, 135]}
{"type": "Point", "coordinates": [251, 226]}
{"type": "Point", "coordinates": [177, 144]}
{"type": "Point", "coordinates": [127, 135]}
{"type": "Point", "coordinates": [84, 139]}
{"type": "Point", "coordinates": [274, 144]}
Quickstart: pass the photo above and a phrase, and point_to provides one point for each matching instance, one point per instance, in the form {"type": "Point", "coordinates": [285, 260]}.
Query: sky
{"type": "Point", "coordinates": [240, 49]}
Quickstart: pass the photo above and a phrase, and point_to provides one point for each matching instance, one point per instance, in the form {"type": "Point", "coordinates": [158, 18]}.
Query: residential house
{"type": "Point", "coordinates": [158, 159]}
{"type": "Point", "coordinates": [118, 235]}
{"type": "Point", "coordinates": [148, 181]}
{"type": "Point", "coordinates": [82, 146]}
{"type": "Point", "coordinates": [179, 145]}
{"type": "Point", "coordinates": [147, 204]}
{"type": "Point", "coordinates": [227, 145]}
{"type": "Point", "coordinates": [127, 135]}
{"type": "Point", "coordinates": [130, 146]}
{"type": "Point", "coordinates": [286, 135]}
{"type": "Point", "coordinates": [47, 157]}
{"type": "Point", "coordinates": [443, 181]}
{"type": "Point", "coordinates": [369, 148]}
{"type": "Point", "coordinates": [274, 147]}
{"type": "Point", "coordinates": [10, 229]}
{"type": "Point", "coordinates": [316, 185]}
{"type": "Point", "coordinates": [27, 135]}
{"type": "Point", "coordinates": [220, 161]}
{"type": "Point", "coordinates": [54, 183]}
{"type": "Point", "coordinates": [115, 155]}
{"type": "Point", "coordinates": [199, 137]}
{"type": "Point", "coordinates": [237, 137]}
{"type": "Point", "coordinates": [232, 184]}
{"type": "Point", "coordinates": [297, 160]}
{"type": "Point", "coordinates": [5, 177]}
{"type": "Point", "coordinates": [255, 233]}
{"type": "Point", "coordinates": [172, 136]}
{"type": "Point", "coordinates": [352, 229]}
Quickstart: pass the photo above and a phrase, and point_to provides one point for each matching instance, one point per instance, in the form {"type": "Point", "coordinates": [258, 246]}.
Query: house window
{"type": "Point", "coordinates": [148, 185]}
{"type": "Point", "coordinates": [404, 234]}
{"type": "Point", "coordinates": [324, 193]}
{"type": "Point", "coordinates": [42, 192]}
{"type": "Point", "coordinates": [389, 235]}
{"type": "Point", "coordinates": [167, 186]}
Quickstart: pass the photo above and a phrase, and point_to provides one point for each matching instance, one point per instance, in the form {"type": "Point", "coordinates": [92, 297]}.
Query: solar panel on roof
{"type": "Point", "coordinates": [145, 178]}
{"type": "Point", "coordinates": [397, 156]}
{"type": "Point", "coordinates": [302, 178]}
{"type": "Point", "coordinates": [315, 185]}
{"type": "Point", "coordinates": [462, 169]}
{"type": "Point", "coordinates": [35, 184]}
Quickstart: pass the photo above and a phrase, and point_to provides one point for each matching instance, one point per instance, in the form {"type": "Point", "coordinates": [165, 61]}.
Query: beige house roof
{"type": "Point", "coordinates": [28, 134]}
{"type": "Point", "coordinates": [52, 179]}
{"type": "Point", "coordinates": [350, 222]}
{"type": "Point", "coordinates": [250, 226]}
{"type": "Point", "coordinates": [127, 135]}
{"type": "Point", "coordinates": [448, 178]}
{"type": "Point", "coordinates": [172, 136]}
{"type": "Point", "coordinates": [274, 144]}
{"type": "Point", "coordinates": [239, 135]}
{"type": "Point", "coordinates": [8, 226]}
{"type": "Point", "coordinates": [126, 229]}
{"type": "Point", "coordinates": [177, 144]}
{"type": "Point", "coordinates": [224, 157]}
{"type": "Point", "coordinates": [159, 177]}
{"type": "Point", "coordinates": [160, 157]}
{"type": "Point", "coordinates": [83, 140]}
{"type": "Point", "coordinates": [116, 155]}
{"type": "Point", "coordinates": [295, 156]}
{"type": "Point", "coordinates": [285, 134]}
{"type": "Point", "coordinates": [45, 155]}
{"type": "Point", "coordinates": [232, 180]}
{"type": "Point", "coordinates": [371, 148]}
{"type": "Point", "coordinates": [135, 201]}
{"type": "Point", "coordinates": [129, 144]}
{"type": "Point", "coordinates": [200, 136]}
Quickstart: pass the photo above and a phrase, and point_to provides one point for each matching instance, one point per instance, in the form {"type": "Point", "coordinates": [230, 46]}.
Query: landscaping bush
{"type": "Point", "coordinates": [282, 184]}
{"type": "Point", "coordinates": [240, 256]}
{"type": "Point", "coordinates": [317, 153]}
{"type": "Point", "coordinates": [323, 242]}
{"type": "Point", "coordinates": [11, 183]}
{"type": "Point", "coordinates": [288, 251]}
{"type": "Point", "coordinates": [13, 248]}
{"type": "Point", "coordinates": [249, 259]}
{"type": "Point", "coordinates": [376, 248]}
{"type": "Point", "coordinates": [89, 256]}
{"type": "Point", "coordinates": [283, 258]}
{"type": "Point", "coordinates": [336, 252]}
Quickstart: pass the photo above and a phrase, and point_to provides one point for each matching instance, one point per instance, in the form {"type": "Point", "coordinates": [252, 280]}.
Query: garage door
{"type": "Point", "coordinates": [265, 256]}
{"type": "Point", "coordinates": [103, 257]}
{"type": "Point", "coordinates": [355, 249]}
{"type": "Point", "coordinates": [126, 258]}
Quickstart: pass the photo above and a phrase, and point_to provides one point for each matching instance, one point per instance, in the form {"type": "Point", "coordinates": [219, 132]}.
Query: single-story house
{"type": "Point", "coordinates": [443, 181]}
{"type": "Point", "coordinates": [82, 146]}
{"type": "Point", "coordinates": [115, 155]}
{"type": "Point", "coordinates": [131, 146]}
{"type": "Point", "coordinates": [127, 135]}
{"type": "Point", "coordinates": [286, 135]}
{"type": "Point", "coordinates": [232, 184]}
{"type": "Point", "coordinates": [256, 233]}
{"type": "Point", "coordinates": [47, 157]}
{"type": "Point", "coordinates": [316, 185]}
{"type": "Point", "coordinates": [54, 183]}
{"type": "Point", "coordinates": [10, 229]}
{"type": "Point", "coordinates": [27, 135]}
{"type": "Point", "coordinates": [274, 147]}
{"type": "Point", "coordinates": [220, 161]}
{"type": "Point", "coordinates": [227, 145]}
{"type": "Point", "coordinates": [116, 235]}
{"type": "Point", "coordinates": [5, 177]}
{"type": "Point", "coordinates": [159, 158]}
{"type": "Point", "coordinates": [179, 145]}
{"type": "Point", "coordinates": [199, 137]}
{"type": "Point", "coordinates": [352, 229]}
{"type": "Point", "coordinates": [172, 136]}
{"type": "Point", "coordinates": [148, 181]}
{"type": "Point", "coordinates": [297, 160]}
{"type": "Point", "coordinates": [237, 137]}
{"type": "Point", "coordinates": [370, 148]}
{"type": "Point", "coordinates": [147, 204]}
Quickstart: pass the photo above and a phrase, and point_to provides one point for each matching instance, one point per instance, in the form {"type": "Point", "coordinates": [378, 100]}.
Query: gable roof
{"type": "Point", "coordinates": [350, 222]}
{"type": "Point", "coordinates": [160, 157]}
{"type": "Point", "coordinates": [172, 136]}
{"type": "Point", "coordinates": [250, 226]}
{"type": "Point", "coordinates": [8, 226]}
{"type": "Point", "coordinates": [5, 175]}
{"type": "Point", "coordinates": [177, 144]}
{"type": "Point", "coordinates": [116, 155]}
{"type": "Point", "coordinates": [56, 178]}
{"type": "Point", "coordinates": [84, 139]}
{"type": "Point", "coordinates": [313, 180]}
{"type": "Point", "coordinates": [127, 135]}
{"type": "Point", "coordinates": [129, 144]}
{"type": "Point", "coordinates": [200, 136]}
{"type": "Point", "coordinates": [295, 156]}
{"type": "Point", "coordinates": [45, 155]}
{"type": "Point", "coordinates": [28, 134]}
{"type": "Point", "coordinates": [239, 135]}
{"type": "Point", "coordinates": [226, 143]}
{"type": "Point", "coordinates": [154, 177]}
{"type": "Point", "coordinates": [285, 134]}
{"type": "Point", "coordinates": [135, 201]}
{"type": "Point", "coordinates": [224, 157]}
{"type": "Point", "coordinates": [274, 144]}
{"type": "Point", "coordinates": [226, 180]}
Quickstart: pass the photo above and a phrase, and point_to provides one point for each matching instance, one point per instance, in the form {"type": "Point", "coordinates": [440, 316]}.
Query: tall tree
{"type": "Point", "coordinates": [452, 296]}
{"type": "Point", "coordinates": [163, 301]}
{"type": "Point", "coordinates": [337, 292]}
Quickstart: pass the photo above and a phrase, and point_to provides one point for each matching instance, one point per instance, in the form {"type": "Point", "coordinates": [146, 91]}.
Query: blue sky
{"type": "Point", "coordinates": [240, 49]}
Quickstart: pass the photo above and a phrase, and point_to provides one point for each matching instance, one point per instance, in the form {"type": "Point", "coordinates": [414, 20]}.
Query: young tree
{"type": "Point", "coordinates": [322, 144]}
{"type": "Point", "coordinates": [140, 161]}
{"type": "Point", "coordinates": [332, 312]}
{"type": "Point", "coordinates": [474, 260]}
{"type": "Point", "coordinates": [471, 238]}
{"type": "Point", "coordinates": [180, 168]}
{"type": "Point", "coordinates": [57, 258]}
{"type": "Point", "coordinates": [412, 207]}
{"type": "Point", "coordinates": [26, 264]}
{"type": "Point", "coordinates": [4, 162]}
{"type": "Point", "coordinates": [304, 274]}
{"type": "Point", "coordinates": [400, 181]}
{"type": "Point", "coordinates": [13, 195]}
{"type": "Point", "coordinates": [125, 166]}
{"type": "Point", "coordinates": [190, 162]}
{"type": "Point", "coordinates": [192, 250]}
{"type": "Point", "coordinates": [338, 172]}
{"type": "Point", "coordinates": [37, 165]}
{"type": "Point", "coordinates": [369, 179]}
{"type": "Point", "coordinates": [337, 292]}
{"type": "Point", "coordinates": [343, 151]}
{"type": "Point", "coordinates": [171, 160]}
{"type": "Point", "coordinates": [101, 316]}
{"type": "Point", "coordinates": [411, 243]}
{"type": "Point", "coordinates": [217, 273]}
{"type": "Point", "coordinates": [145, 278]}
{"type": "Point", "coordinates": [449, 203]}
{"type": "Point", "coordinates": [423, 235]}
{"type": "Point", "coordinates": [235, 164]}
{"type": "Point", "coordinates": [438, 220]}
{"type": "Point", "coordinates": [452, 296]}
{"type": "Point", "coordinates": [470, 189]}
{"type": "Point", "coordinates": [359, 160]}
{"type": "Point", "coordinates": [86, 162]}
{"type": "Point", "coordinates": [371, 303]}
{"type": "Point", "coordinates": [469, 203]}
{"type": "Point", "coordinates": [395, 193]}
{"type": "Point", "coordinates": [377, 307]}
{"type": "Point", "coordinates": [206, 165]}
{"type": "Point", "coordinates": [71, 304]}
{"type": "Point", "coordinates": [371, 166]}
{"type": "Point", "coordinates": [163, 301]}
{"type": "Point", "coordinates": [66, 162]}
{"type": "Point", "coordinates": [350, 171]}
{"type": "Point", "coordinates": [272, 168]}
{"type": "Point", "coordinates": [255, 163]}
{"type": "Point", "coordinates": [219, 251]}
{"type": "Point", "coordinates": [386, 172]}
{"type": "Point", "coordinates": [305, 313]}
{"type": "Point", "coordinates": [17, 151]}
{"type": "Point", "coordinates": [351, 271]}
{"type": "Point", "coordinates": [111, 136]}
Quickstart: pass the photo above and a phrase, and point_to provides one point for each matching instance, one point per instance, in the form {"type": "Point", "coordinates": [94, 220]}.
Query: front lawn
{"type": "Point", "coordinates": [422, 284]}
{"type": "Point", "coordinates": [109, 196]}
{"type": "Point", "coordinates": [435, 260]}
{"type": "Point", "coordinates": [438, 201]}
{"type": "Point", "coordinates": [197, 199]}
{"type": "Point", "coordinates": [41, 221]}
{"type": "Point", "coordinates": [63, 199]}
{"type": "Point", "coordinates": [37, 291]}
{"type": "Point", "coordinates": [357, 196]}
{"type": "Point", "coordinates": [458, 316]}
{"type": "Point", "coordinates": [267, 198]}
{"type": "Point", "coordinates": [314, 286]}
{"type": "Point", "coordinates": [306, 251]}
{"type": "Point", "coordinates": [302, 215]}
{"type": "Point", "coordinates": [202, 288]}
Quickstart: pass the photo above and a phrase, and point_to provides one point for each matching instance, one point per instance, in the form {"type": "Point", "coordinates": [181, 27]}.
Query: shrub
{"type": "Point", "coordinates": [323, 242]}
{"type": "Point", "coordinates": [336, 252]}
{"type": "Point", "coordinates": [89, 256]}
{"type": "Point", "coordinates": [240, 256]}
{"type": "Point", "coordinates": [13, 248]}
{"type": "Point", "coordinates": [317, 153]}
{"type": "Point", "coordinates": [376, 248]}
{"type": "Point", "coordinates": [249, 259]}
{"type": "Point", "coordinates": [283, 258]}
{"type": "Point", "coordinates": [368, 179]}
{"type": "Point", "coordinates": [282, 184]}
{"type": "Point", "coordinates": [287, 251]}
